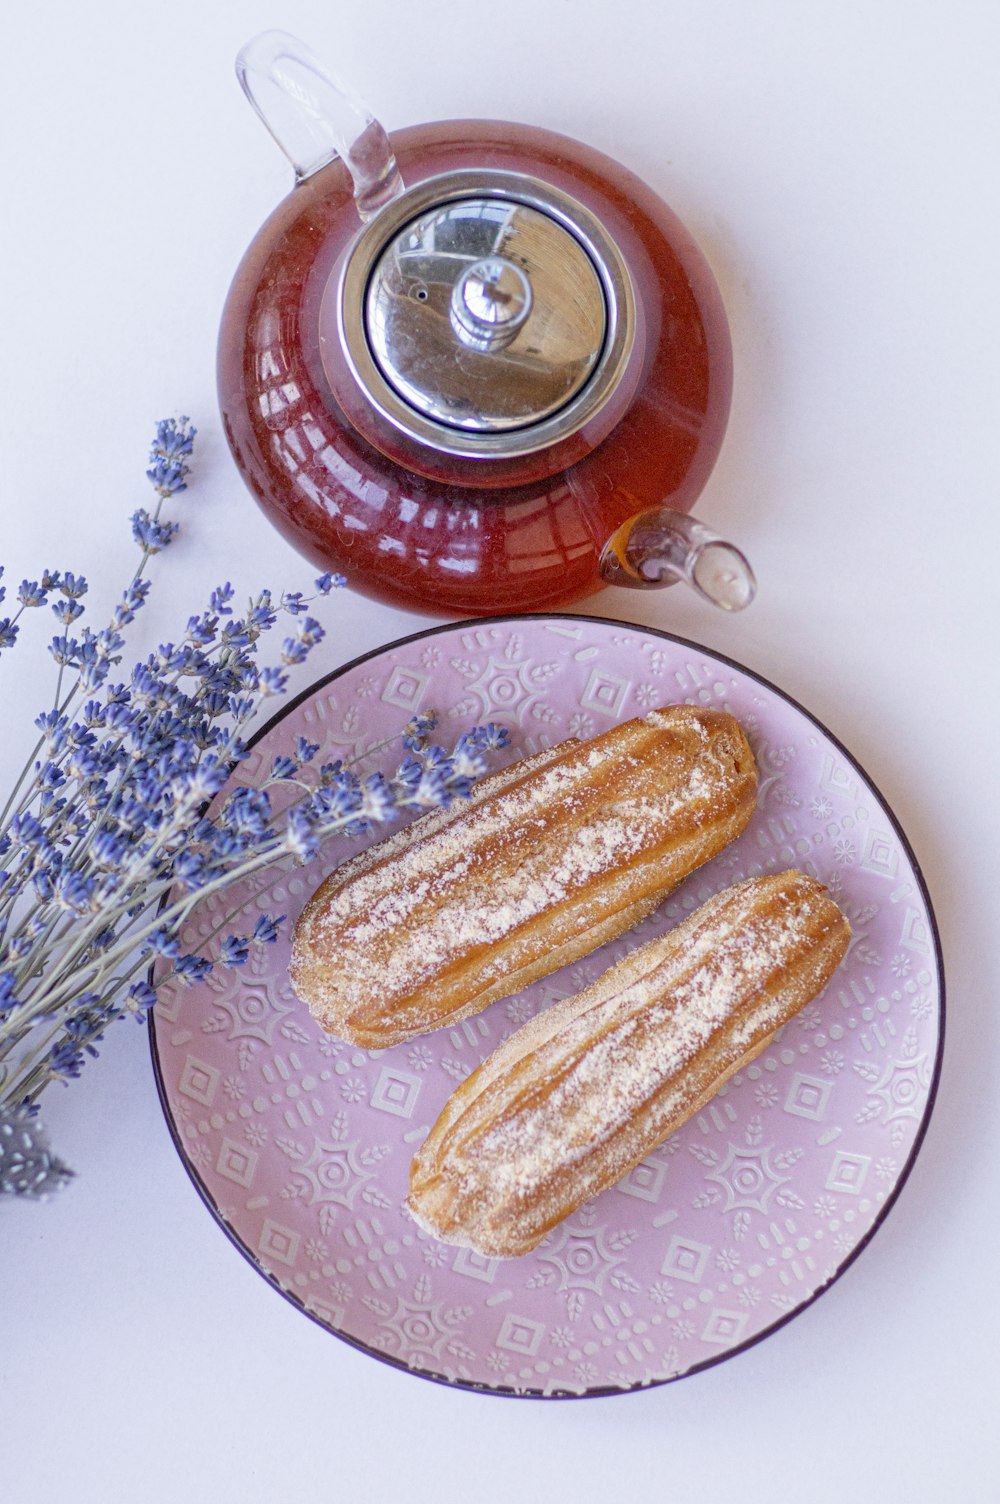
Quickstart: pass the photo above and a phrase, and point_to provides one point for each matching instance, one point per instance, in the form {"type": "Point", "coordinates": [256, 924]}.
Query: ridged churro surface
{"type": "Point", "coordinates": [580, 1094]}
{"type": "Point", "coordinates": [550, 858]}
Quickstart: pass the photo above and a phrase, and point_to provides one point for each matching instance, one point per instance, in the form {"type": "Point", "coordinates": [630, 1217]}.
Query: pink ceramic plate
{"type": "Point", "coordinates": [300, 1145]}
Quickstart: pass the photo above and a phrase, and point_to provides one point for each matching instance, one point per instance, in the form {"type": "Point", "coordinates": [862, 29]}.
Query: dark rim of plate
{"type": "Point", "coordinates": [599, 1391]}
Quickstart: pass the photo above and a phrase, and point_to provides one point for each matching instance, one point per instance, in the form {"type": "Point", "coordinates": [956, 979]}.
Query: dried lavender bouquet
{"type": "Point", "coordinates": [105, 846]}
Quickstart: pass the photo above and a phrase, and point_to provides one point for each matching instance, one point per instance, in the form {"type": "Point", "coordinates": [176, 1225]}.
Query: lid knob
{"type": "Point", "coordinates": [489, 303]}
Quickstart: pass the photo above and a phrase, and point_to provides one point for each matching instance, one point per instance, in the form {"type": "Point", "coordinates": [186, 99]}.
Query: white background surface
{"type": "Point", "coordinates": [837, 163]}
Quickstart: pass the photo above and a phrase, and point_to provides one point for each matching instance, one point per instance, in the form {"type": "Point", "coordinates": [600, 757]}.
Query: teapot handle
{"type": "Point", "coordinates": [314, 118]}
{"type": "Point", "coordinates": [658, 547]}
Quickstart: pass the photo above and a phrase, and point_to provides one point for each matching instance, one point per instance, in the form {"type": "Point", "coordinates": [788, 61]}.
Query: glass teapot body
{"type": "Point", "coordinates": [445, 532]}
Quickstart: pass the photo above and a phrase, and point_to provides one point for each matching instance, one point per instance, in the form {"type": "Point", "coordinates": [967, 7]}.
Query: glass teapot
{"type": "Point", "coordinates": [475, 367]}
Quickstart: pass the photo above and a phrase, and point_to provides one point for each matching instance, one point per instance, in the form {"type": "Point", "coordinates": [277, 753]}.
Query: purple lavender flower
{"type": "Point", "coordinates": [162, 943]}
{"type": "Point", "coordinates": [235, 950]}
{"type": "Point", "coordinates": [417, 731]}
{"type": "Point", "coordinates": [168, 457]}
{"type": "Point", "coordinates": [8, 999]}
{"type": "Point", "coordinates": [72, 891]}
{"type": "Point", "coordinates": [273, 681]}
{"type": "Point", "coordinates": [265, 931]}
{"type": "Point", "coordinates": [72, 586]}
{"type": "Point", "coordinates": [491, 737]}
{"type": "Point", "coordinates": [190, 969]}
{"type": "Point", "coordinates": [327, 582]}
{"type": "Point", "coordinates": [31, 594]}
{"type": "Point", "coordinates": [220, 598]}
{"type": "Point", "coordinates": [301, 835]}
{"type": "Point", "coordinates": [378, 802]}
{"type": "Point", "coordinates": [151, 534]}
{"type": "Point", "coordinates": [141, 995]}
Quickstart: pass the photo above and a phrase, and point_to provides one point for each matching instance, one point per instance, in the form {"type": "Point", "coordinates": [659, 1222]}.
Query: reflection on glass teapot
{"type": "Point", "coordinates": [476, 367]}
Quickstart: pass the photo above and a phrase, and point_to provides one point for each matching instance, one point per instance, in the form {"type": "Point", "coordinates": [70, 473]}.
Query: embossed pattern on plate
{"type": "Point", "coordinates": [301, 1144]}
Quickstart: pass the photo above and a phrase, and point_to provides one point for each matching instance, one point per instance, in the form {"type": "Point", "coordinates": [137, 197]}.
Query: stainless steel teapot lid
{"type": "Point", "coordinates": [486, 313]}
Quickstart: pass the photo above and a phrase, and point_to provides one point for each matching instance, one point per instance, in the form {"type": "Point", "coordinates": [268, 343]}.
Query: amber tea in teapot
{"type": "Point", "coordinates": [477, 367]}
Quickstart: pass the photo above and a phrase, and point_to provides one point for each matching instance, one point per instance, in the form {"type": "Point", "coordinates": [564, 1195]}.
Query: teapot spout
{"type": "Point", "coordinates": [314, 118]}
{"type": "Point", "coordinates": [658, 547]}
